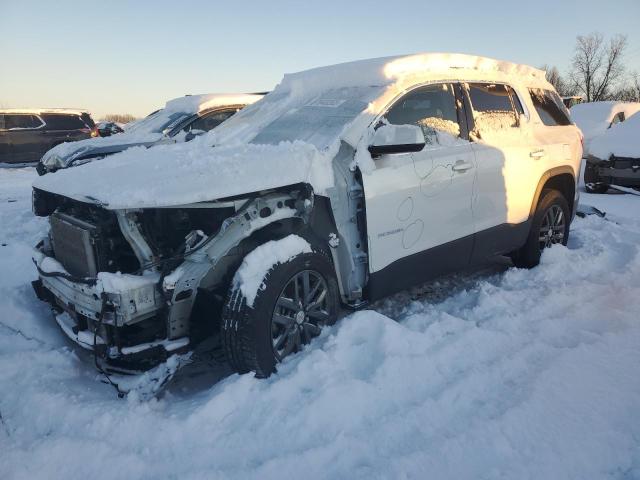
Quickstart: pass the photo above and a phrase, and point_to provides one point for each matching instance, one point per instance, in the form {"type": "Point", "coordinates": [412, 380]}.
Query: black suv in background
{"type": "Point", "coordinates": [25, 135]}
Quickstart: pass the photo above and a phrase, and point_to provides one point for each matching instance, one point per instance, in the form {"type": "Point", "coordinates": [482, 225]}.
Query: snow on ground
{"type": "Point", "coordinates": [500, 374]}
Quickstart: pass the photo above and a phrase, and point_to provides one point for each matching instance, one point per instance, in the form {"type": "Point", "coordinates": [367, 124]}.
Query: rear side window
{"type": "Point", "coordinates": [1, 122]}
{"type": "Point", "coordinates": [57, 121]}
{"type": "Point", "coordinates": [493, 107]}
{"type": "Point", "coordinates": [516, 101]}
{"type": "Point", "coordinates": [550, 107]}
{"type": "Point", "coordinates": [209, 121]}
{"type": "Point", "coordinates": [18, 122]}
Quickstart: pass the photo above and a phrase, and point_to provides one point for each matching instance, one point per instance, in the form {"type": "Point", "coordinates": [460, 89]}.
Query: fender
{"type": "Point", "coordinates": [544, 179]}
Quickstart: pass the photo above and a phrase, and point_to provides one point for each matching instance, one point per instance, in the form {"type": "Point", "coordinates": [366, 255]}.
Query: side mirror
{"type": "Point", "coordinates": [191, 134]}
{"type": "Point", "coordinates": [389, 139]}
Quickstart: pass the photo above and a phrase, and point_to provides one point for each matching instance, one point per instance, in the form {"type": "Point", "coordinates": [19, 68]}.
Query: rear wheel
{"type": "Point", "coordinates": [592, 181]}
{"type": "Point", "coordinates": [297, 300]}
{"type": "Point", "coordinates": [550, 226]}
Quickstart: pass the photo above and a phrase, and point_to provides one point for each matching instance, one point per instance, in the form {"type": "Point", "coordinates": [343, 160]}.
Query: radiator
{"type": "Point", "coordinates": [73, 246]}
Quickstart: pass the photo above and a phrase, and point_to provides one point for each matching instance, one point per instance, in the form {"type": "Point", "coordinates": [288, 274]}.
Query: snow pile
{"type": "Point", "coordinates": [621, 140]}
{"type": "Point", "coordinates": [594, 118]}
{"type": "Point", "coordinates": [254, 268]}
{"type": "Point", "coordinates": [168, 175]}
{"type": "Point", "coordinates": [198, 103]}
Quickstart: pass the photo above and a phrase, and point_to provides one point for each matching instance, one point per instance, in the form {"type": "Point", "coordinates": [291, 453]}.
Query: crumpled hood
{"type": "Point", "coordinates": [179, 174]}
{"type": "Point", "coordinates": [61, 155]}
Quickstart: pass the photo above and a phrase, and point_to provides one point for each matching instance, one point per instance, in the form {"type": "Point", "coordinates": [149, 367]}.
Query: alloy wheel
{"type": "Point", "coordinates": [552, 229]}
{"type": "Point", "coordinates": [302, 309]}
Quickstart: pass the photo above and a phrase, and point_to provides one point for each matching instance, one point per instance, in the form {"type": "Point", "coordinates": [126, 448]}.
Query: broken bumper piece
{"type": "Point", "coordinates": [124, 327]}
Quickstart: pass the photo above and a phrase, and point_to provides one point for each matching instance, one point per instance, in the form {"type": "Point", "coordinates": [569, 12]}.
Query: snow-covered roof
{"type": "Point", "coordinates": [411, 69]}
{"type": "Point", "coordinates": [621, 140]}
{"type": "Point", "coordinates": [388, 76]}
{"type": "Point", "coordinates": [38, 111]}
{"type": "Point", "coordinates": [595, 117]}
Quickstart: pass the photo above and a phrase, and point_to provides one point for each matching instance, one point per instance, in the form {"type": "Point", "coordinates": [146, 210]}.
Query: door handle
{"type": "Point", "coordinates": [536, 154]}
{"type": "Point", "coordinates": [461, 166]}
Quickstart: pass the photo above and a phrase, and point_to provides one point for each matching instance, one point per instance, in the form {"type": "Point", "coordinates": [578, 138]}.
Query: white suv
{"type": "Point", "coordinates": [343, 185]}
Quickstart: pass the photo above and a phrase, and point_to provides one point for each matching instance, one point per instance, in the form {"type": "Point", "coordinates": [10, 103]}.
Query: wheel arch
{"type": "Point", "coordinates": [560, 178]}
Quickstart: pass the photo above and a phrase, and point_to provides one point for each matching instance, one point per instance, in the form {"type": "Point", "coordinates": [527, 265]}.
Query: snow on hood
{"type": "Point", "coordinates": [170, 175]}
{"type": "Point", "coordinates": [621, 140]}
{"type": "Point", "coordinates": [594, 118]}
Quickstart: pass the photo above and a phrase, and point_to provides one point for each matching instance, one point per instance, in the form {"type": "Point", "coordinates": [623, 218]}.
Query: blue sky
{"type": "Point", "coordinates": [130, 57]}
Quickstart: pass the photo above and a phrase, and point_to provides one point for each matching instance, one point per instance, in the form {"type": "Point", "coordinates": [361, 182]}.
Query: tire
{"type": "Point", "coordinates": [551, 204]}
{"type": "Point", "coordinates": [252, 336]}
{"type": "Point", "coordinates": [592, 181]}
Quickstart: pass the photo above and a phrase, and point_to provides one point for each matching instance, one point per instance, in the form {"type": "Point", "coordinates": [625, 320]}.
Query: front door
{"type": "Point", "coordinates": [419, 217]}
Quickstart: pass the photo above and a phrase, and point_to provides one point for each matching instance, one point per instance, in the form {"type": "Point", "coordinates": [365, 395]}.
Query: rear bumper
{"type": "Point", "coordinates": [618, 171]}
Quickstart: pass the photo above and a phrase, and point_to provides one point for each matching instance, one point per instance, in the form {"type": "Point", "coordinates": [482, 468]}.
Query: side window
{"type": "Point", "coordinates": [63, 122]}
{"type": "Point", "coordinates": [21, 121]}
{"type": "Point", "coordinates": [432, 108]}
{"type": "Point", "coordinates": [209, 121]}
{"type": "Point", "coordinates": [2, 122]}
{"type": "Point", "coordinates": [516, 101]}
{"type": "Point", "coordinates": [550, 107]}
{"type": "Point", "coordinates": [618, 118]}
{"type": "Point", "coordinates": [493, 107]}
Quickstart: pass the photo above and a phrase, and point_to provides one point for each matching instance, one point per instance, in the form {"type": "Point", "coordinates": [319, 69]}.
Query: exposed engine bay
{"type": "Point", "coordinates": [125, 283]}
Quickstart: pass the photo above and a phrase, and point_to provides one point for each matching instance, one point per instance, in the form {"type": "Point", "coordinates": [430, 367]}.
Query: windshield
{"type": "Point", "coordinates": [318, 121]}
{"type": "Point", "coordinates": [158, 122]}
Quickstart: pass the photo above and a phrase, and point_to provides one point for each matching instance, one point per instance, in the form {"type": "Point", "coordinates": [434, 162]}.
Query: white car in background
{"type": "Point", "coordinates": [601, 141]}
{"type": "Point", "coordinates": [614, 157]}
{"type": "Point", "coordinates": [181, 119]}
{"type": "Point", "coordinates": [343, 185]}
{"type": "Point", "coordinates": [594, 118]}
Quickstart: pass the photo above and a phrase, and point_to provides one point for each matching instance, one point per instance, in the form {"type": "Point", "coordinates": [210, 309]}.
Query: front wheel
{"type": "Point", "coordinates": [295, 301]}
{"type": "Point", "coordinates": [550, 225]}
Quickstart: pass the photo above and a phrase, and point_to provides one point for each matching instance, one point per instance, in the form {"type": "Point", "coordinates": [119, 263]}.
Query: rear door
{"type": "Point", "coordinates": [507, 174]}
{"type": "Point", "coordinates": [419, 219]}
{"type": "Point", "coordinates": [24, 131]}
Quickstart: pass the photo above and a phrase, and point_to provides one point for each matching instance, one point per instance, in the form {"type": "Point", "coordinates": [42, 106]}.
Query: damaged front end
{"type": "Point", "coordinates": [127, 284]}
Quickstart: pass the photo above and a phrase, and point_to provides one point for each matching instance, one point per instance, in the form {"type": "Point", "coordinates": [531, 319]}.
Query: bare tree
{"type": "Point", "coordinates": [630, 91]}
{"type": "Point", "coordinates": [596, 66]}
{"type": "Point", "coordinates": [119, 117]}
{"type": "Point", "coordinates": [555, 78]}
